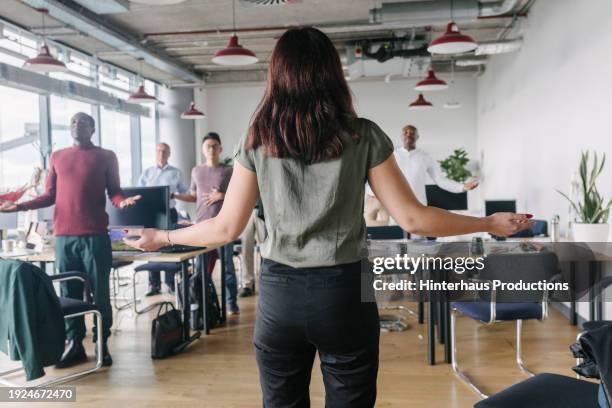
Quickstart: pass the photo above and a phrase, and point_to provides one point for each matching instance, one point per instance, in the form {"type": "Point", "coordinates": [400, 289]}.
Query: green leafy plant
{"type": "Point", "coordinates": [455, 166]}
{"type": "Point", "coordinates": [227, 161]}
{"type": "Point", "coordinates": [590, 209]}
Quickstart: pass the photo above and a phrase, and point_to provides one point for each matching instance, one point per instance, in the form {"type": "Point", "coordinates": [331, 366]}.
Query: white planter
{"type": "Point", "coordinates": [590, 232]}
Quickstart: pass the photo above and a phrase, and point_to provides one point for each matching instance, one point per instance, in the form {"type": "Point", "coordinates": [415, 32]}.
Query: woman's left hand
{"type": "Point", "coordinates": [146, 239]}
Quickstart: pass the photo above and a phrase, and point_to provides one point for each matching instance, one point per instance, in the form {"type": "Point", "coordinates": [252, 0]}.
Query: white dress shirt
{"type": "Point", "coordinates": [164, 176]}
{"type": "Point", "coordinates": [420, 169]}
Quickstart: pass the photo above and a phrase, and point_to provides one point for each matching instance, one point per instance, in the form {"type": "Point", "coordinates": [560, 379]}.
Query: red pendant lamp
{"type": "Point", "coordinates": [234, 53]}
{"type": "Point", "coordinates": [420, 104]}
{"type": "Point", "coordinates": [141, 95]}
{"type": "Point", "coordinates": [431, 83]}
{"type": "Point", "coordinates": [193, 113]}
{"type": "Point", "coordinates": [452, 42]}
{"type": "Point", "coordinates": [44, 61]}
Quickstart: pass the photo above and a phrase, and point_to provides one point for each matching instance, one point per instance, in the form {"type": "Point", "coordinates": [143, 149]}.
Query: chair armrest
{"type": "Point", "coordinates": [493, 301]}
{"type": "Point", "coordinates": [74, 275]}
{"type": "Point", "coordinates": [604, 283]}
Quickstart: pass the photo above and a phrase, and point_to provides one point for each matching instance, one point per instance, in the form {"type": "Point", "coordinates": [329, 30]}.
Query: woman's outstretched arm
{"type": "Point", "coordinates": [393, 191]}
{"type": "Point", "coordinates": [237, 207]}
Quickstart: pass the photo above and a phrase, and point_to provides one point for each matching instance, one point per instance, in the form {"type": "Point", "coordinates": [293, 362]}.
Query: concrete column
{"type": "Point", "coordinates": [178, 133]}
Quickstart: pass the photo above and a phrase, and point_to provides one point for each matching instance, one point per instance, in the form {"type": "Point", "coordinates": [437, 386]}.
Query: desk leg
{"type": "Point", "coordinates": [187, 338]}
{"type": "Point", "coordinates": [431, 327]}
{"type": "Point", "coordinates": [186, 301]}
{"type": "Point", "coordinates": [205, 279]}
{"type": "Point", "coordinates": [592, 295]}
{"type": "Point", "coordinates": [223, 288]}
{"type": "Point", "coordinates": [447, 342]}
{"type": "Point", "coordinates": [421, 311]}
{"type": "Point", "coordinates": [572, 277]}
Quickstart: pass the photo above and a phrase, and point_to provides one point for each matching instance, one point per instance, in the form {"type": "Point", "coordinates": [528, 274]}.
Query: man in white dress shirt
{"type": "Point", "coordinates": [163, 174]}
{"type": "Point", "coordinates": [419, 169]}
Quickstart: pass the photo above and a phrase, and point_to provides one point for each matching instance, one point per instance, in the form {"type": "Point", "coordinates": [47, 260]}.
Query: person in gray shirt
{"type": "Point", "coordinates": [163, 174]}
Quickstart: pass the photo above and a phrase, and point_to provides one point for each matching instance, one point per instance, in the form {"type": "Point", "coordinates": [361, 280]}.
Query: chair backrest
{"type": "Point", "coordinates": [514, 268]}
{"type": "Point", "coordinates": [386, 232]}
{"type": "Point", "coordinates": [540, 227]}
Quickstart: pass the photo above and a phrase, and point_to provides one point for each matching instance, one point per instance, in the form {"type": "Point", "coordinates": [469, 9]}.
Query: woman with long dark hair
{"type": "Point", "coordinates": [308, 156]}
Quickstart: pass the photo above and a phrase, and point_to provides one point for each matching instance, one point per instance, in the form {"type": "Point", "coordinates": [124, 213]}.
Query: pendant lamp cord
{"type": "Point", "coordinates": [234, 16]}
{"type": "Point", "coordinates": [44, 34]}
{"type": "Point", "coordinates": [452, 9]}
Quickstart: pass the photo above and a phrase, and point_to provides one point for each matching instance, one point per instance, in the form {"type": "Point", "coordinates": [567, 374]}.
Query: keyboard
{"type": "Point", "coordinates": [173, 249]}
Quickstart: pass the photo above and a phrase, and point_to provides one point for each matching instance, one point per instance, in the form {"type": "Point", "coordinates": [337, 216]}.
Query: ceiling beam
{"type": "Point", "coordinates": [88, 24]}
{"type": "Point", "coordinates": [106, 6]}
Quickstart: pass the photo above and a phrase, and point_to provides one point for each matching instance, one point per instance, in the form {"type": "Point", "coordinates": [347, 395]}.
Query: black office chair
{"type": "Point", "coordinates": [71, 308]}
{"type": "Point", "coordinates": [504, 305]}
{"type": "Point", "coordinates": [599, 289]}
{"type": "Point", "coordinates": [166, 267]}
{"type": "Point", "coordinates": [545, 391]}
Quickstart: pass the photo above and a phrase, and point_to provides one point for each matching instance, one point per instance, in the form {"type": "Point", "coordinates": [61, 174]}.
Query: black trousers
{"type": "Point", "coordinates": [307, 310]}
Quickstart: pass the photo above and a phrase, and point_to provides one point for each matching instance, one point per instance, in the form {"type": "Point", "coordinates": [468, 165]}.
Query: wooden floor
{"type": "Point", "coordinates": [220, 371]}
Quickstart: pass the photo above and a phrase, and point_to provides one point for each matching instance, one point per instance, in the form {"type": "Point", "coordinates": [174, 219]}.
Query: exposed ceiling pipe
{"type": "Point", "coordinates": [499, 8]}
{"type": "Point", "coordinates": [112, 37]}
{"type": "Point", "coordinates": [384, 54]}
{"type": "Point", "coordinates": [432, 13]}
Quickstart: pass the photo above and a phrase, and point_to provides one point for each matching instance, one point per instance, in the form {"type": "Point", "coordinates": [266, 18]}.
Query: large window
{"type": "Point", "coordinates": [21, 112]}
{"type": "Point", "coordinates": [62, 110]}
{"type": "Point", "coordinates": [148, 131]}
{"type": "Point", "coordinates": [15, 49]}
{"type": "Point", "coordinates": [115, 135]}
{"type": "Point", "coordinates": [19, 137]}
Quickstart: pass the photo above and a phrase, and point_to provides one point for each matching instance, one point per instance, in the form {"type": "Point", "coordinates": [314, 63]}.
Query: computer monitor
{"type": "Point", "coordinates": [495, 206]}
{"type": "Point", "coordinates": [151, 211]}
{"type": "Point", "coordinates": [437, 197]}
{"type": "Point", "coordinates": [8, 221]}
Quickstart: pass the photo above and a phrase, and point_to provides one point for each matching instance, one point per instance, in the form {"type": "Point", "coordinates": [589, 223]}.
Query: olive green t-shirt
{"type": "Point", "coordinates": [314, 212]}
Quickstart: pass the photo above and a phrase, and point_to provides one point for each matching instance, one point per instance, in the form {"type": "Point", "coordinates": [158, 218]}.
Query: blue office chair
{"type": "Point", "coordinates": [386, 232]}
{"type": "Point", "coordinates": [539, 228]}
{"type": "Point", "coordinates": [503, 305]}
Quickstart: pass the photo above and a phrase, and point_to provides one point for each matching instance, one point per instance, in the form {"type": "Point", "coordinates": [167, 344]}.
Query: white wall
{"type": "Point", "coordinates": [229, 109]}
{"type": "Point", "coordinates": [539, 108]}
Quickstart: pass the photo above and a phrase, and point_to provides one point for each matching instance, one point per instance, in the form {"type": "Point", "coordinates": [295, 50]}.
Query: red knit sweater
{"type": "Point", "coordinates": [77, 180]}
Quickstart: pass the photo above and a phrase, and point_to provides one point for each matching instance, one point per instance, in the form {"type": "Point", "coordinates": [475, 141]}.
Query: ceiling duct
{"type": "Point", "coordinates": [249, 3]}
{"type": "Point", "coordinates": [422, 13]}
{"type": "Point", "coordinates": [106, 6]}
{"type": "Point", "coordinates": [498, 47]}
{"type": "Point", "coordinates": [385, 52]}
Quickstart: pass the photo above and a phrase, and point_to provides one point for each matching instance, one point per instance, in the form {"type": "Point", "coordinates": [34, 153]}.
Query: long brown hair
{"type": "Point", "coordinates": [307, 105]}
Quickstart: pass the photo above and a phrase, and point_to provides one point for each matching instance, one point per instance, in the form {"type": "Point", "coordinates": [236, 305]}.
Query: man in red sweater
{"type": "Point", "coordinates": [77, 181]}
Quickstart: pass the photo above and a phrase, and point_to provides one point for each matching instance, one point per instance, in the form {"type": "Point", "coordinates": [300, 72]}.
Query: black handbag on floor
{"type": "Point", "coordinates": [166, 331]}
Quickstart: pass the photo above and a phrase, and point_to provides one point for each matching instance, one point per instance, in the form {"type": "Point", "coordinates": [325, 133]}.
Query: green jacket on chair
{"type": "Point", "coordinates": [31, 320]}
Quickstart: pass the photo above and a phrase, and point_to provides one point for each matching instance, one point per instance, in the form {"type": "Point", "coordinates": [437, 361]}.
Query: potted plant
{"type": "Point", "coordinates": [591, 209]}
{"type": "Point", "coordinates": [455, 166]}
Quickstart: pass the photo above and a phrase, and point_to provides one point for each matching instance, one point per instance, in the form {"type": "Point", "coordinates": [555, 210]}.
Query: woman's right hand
{"type": "Point", "coordinates": [146, 239]}
{"type": "Point", "coordinates": [506, 224]}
